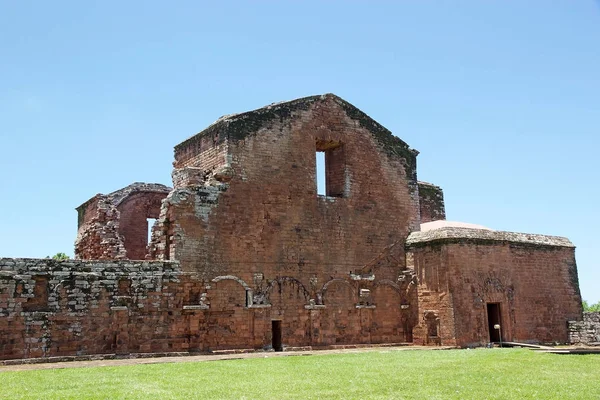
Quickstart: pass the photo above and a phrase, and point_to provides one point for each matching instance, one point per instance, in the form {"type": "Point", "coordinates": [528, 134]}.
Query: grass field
{"type": "Point", "coordinates": [386, 374]}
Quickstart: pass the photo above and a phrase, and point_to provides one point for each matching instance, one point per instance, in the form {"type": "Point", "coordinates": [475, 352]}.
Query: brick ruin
{"type": "Point", "coordinates": [246, 254]}
{"type": "Point", "coordinates": [115, 226]}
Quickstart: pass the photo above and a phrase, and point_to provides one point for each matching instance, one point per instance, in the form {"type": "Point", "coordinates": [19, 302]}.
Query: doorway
{"type": "Point", "coordinates": [493, 312]}
{"type": "Point", "coordinates": [276, 335]}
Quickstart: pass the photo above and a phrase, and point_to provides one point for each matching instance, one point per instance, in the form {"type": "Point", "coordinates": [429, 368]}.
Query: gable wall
{"type": "Point", "coordinates": [268, 227]}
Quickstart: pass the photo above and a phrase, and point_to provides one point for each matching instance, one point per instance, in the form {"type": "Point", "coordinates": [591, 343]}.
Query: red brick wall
{"type": "Point", "coordinates": [536, 287]}
{"type": "Point", "coordinates": [269, 220]}
{"type": "Point", "coordinates": [114, 226]}
{"type": "Point", "coordinates": [204, 151]}
{"type": "Point", "coordinates": [64, 308]}
{"type": "Point", "coordinates": [431, 202]}
{"type": "Point", "coordinates": [133, 224]}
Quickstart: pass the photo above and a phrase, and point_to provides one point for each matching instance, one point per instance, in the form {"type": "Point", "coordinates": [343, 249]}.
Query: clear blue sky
{"type": "Point", "coordinates": [502, 99]}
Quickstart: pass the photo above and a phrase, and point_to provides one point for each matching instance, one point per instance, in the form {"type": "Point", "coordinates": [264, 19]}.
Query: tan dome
{"type": "Point", "coordinates": [429, 226]}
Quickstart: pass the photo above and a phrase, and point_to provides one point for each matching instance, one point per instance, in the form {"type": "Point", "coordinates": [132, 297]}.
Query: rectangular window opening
{"type": "Point", "coordinates": [321, 173]}
{"type": "Point", "coordinates": [330, 169]}
{"type": "Point", "coordinates": [151, 222]}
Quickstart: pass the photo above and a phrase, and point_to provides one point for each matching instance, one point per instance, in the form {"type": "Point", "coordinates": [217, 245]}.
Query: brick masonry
{"type": "Point", "coordinates": [115, 226]}
{"type": "Point", "coordinates": [244, 248]}
{"type": "Point", "coordinates": [431, 202]}
{"type": "Point", "coordinates": [533, 279]}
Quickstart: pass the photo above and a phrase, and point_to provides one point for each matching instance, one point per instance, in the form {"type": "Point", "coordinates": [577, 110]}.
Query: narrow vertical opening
{"type": "Point", "coordinates": [150, 222]}
{"type": "Point", "coordinates": [320, 176]}
{"type": "Point", "coordinates": [330, 169]}
{"type": "Point", "coordinates": [494, 322]}
{"type": "Point", "coordinates": [276, 335]}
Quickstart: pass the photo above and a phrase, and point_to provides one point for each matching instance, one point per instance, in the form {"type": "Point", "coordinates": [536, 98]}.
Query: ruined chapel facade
{"type": "Point", "coordinates": [245, 254]}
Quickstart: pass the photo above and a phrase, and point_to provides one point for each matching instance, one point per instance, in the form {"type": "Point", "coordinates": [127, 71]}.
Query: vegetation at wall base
{"type": "Point", "coordinates": [381, 374]}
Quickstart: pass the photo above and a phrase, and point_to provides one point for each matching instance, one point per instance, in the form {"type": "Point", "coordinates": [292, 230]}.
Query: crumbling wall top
{"type": "Point", "coordinates": [235, 127]}
{"type": "Point", "coordinates": [118, 196]}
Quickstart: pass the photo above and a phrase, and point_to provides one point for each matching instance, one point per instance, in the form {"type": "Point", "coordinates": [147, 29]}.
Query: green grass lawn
{"type": "Point", "coordinates": [388, 374]}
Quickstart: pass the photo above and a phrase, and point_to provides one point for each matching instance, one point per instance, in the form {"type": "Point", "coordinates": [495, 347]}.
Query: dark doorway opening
{"type": "Point", "coordinates": [276, 335]}
{"type": "Point", "coordinates": [493, 312]}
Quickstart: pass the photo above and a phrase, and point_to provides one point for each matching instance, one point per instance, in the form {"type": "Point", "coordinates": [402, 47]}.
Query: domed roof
{"type": "Point", "coordinates": [429, 226]}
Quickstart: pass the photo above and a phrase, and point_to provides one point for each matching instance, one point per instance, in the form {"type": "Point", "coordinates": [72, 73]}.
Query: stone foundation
{"type": "Point", "coordinates": [586, 331]}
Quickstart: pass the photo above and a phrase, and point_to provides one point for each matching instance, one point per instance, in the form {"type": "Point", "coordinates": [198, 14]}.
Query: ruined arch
{"type": "Point", "coordinates": [339, 296]}
{"type": "Point", "coordinates": [235, 298]}
{"type": "Point", "coordinates": [287, 280]}
{"type": "Point", "coordinates": [288, 298]}
{"type": "Point", "coordinates": [115, 226]}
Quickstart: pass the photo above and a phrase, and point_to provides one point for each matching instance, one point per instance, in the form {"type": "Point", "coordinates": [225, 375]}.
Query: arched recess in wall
{"type": "Point", "coordinates": [292, 287]}
{"type": "Point", "coordinates": [134, 211]}
{"type": "Point", "coordinates": [287, 297]}
{"type": "Point", "coordinates": [244, 294]}
{"type": "Point", "coordinates": [227, 319]}
{"type": "Point", "coordinates": [388, 324]}
{"type": "Point", "coordinates": [340, 321]}
{"type": "Point", "coordinates": [339, 292]}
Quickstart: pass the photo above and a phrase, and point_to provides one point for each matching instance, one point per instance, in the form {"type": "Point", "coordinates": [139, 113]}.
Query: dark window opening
{"type": "Point", "coordinates": [432, 328]}
{"type": "Point", "coordinates": [276, 335]}
{"type": "Point", "coordinates": [494, 321]}
{"type": "Point", "coordinates": [124, 286]}
{"type": "Point", "coordinates": [331, 168]}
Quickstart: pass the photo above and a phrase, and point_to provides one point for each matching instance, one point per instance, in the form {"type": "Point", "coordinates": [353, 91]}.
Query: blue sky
{"type": "Point", "coordinates": [502, 99]}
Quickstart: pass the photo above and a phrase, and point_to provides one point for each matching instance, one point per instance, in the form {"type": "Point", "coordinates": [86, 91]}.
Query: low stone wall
{"type": "Point", "coordinates": [51, 308]}
{"type": "Point", "coordinates": [72, 307]}
{"type": "Point", "coordinates": [586, 331]}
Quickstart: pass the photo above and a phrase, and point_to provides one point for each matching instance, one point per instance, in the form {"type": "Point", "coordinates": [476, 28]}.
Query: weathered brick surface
{"type": "Point", "coordinates": [83, 309]}
{"type": "Point", "coordinates": [586, 331]}
{"type": "Point", "coordinates": [431, 202]}
{"type": "Point", "coordinates": [257, 212]}
{"type": "Point", "coordinates": [115, 226]}
{"type": "Point", "coordinates": [532, 277]}
{"type": "Point", "coordinates": [253, 246]}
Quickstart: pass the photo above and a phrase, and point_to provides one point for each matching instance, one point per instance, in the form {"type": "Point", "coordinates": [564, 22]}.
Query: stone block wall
{"type": "Point", "coordinates": [56, 308]}
{"type": "Point", "coordinates": [586, 331]}
{"type": "Point", "coordinates": [74, 307]}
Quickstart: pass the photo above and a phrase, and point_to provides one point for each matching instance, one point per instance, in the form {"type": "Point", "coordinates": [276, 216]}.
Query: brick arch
{"type": "Point", "coordinates": [388, 322]}
{"type": "Point", "coordinates": [288, 298]}
{"type": "Point", "coordinates": [340, 321]}
{"type": "Point", "coordinates": [226, 294]}
{"type": "Point", "coordinates": [233, 278]}
{"type": "Point", "coordinates": [353, 298]}
{"type": "Point", "coordinates": [226, 320]}
{"type": "Point", "coordinates": [287, 280]}
{"type": "Point", "coordinates": [134, 210]}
